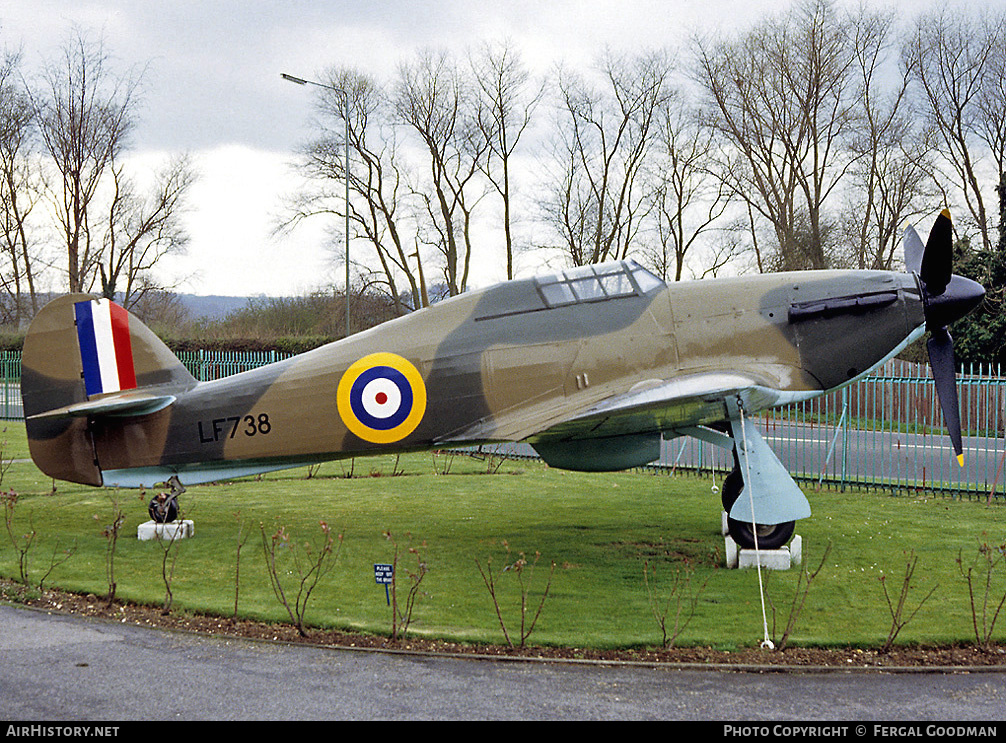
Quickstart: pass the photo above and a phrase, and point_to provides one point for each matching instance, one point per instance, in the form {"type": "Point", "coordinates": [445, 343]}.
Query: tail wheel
{"type": "Point", "coordinates": [163, 508]}
{"type": "Point", "coordinates": [769, 536]}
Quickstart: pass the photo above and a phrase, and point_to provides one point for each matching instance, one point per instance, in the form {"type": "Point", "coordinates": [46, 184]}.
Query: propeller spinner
{"type": "Point", "coordinates": [947, 298]}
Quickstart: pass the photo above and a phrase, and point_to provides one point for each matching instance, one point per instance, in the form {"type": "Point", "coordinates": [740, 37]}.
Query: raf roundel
{"type": "Point", "coordinates": [381, 398]}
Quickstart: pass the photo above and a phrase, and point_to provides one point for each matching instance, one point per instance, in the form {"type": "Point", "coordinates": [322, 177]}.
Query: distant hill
{"type": "Point", "coordinates": [211, 307]}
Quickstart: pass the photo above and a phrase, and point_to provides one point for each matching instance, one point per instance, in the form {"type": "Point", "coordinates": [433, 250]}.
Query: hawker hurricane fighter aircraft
{"type": "Point", "coordinates": [592, 366]}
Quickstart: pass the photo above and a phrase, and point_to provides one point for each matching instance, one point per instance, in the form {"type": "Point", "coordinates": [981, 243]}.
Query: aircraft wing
{"type": "Point", "coordinates": [625, 430]}
{"type": "Point", "coordinates": [665, 406]}
{"type": "Point", "coordinates": [648, 407]}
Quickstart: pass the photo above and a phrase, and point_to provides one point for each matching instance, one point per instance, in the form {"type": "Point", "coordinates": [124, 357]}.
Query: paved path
{"type": "Point", "coordinates": [61, 668]}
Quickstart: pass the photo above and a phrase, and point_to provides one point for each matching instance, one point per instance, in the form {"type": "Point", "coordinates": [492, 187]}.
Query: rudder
{"type": "Point", "coordinates": [85, 357]}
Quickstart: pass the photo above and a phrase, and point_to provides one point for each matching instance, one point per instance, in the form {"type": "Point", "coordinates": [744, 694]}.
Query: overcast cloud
{"type": "Point", "coordinates": [212, 87]}
{"type": "Point", "coordinates": [213, 66]}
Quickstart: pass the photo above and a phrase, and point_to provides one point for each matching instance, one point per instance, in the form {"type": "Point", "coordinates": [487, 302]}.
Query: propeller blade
{"type": "Point", "coordinates": [914, 250]}
{"type": "Point", "coordinates": [946, 298]}
{"type": "Point", "coordinates": [941, 360]}
{"type": "Point", "coordinates": [938, 257]}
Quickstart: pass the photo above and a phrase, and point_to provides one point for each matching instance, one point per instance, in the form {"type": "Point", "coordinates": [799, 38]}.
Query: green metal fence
{"type": "Point", "coordinates": [209, 365]}
{"type": "Point", "coordinates": [203, 365]}
{"type": "Point", "coordinates": [884, 431]}
{"type": "Point", "coordinates": [10, 392]}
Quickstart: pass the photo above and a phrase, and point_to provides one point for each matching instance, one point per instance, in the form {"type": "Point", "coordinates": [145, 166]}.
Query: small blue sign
{"type": "Point", "coordinates": [383, 574]}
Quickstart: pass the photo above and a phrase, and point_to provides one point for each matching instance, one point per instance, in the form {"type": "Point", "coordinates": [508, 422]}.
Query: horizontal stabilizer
{"type": "Point", "coordinates": [769, 496]}
{"type": "Point", "coordinates": [124, 405]}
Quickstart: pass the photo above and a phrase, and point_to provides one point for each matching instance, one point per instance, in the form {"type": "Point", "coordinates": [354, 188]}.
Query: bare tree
{"type": "Point", "coordinates": [958, 61]}
{"type": "Point", "coordinates": [509, 100]}
{"type": "Point", "coordinates": [376, 176]}
{"type": "Point", "coordinates": [596, 197]}
{"type": "Point", "coordinates": [435, 100]}
{"type": "Point", "coordinates": [19, 191]}
{"type": "Point", "coordinates": [992, 98]}
{"type": "Point", "coordinates": [163, 311]}
{"type": "Point", "coordinates": [689, 198]}
{"type": "Point", "coordinates": [141, 230]}
{"type": "Point", "coordinates": [84, 119]}
{"type": "Point", "coordinates": [781, 96]}
{"type": "Point", "coordinates": [891, 179]}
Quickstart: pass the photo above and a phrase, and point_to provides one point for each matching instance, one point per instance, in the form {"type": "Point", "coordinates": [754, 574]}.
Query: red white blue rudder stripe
{"type": "Point", "coordinates": [106, 351]}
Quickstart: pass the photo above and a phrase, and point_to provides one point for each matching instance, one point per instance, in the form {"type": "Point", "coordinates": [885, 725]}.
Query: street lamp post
{"type": "Point", "coordinates": [345, 101]}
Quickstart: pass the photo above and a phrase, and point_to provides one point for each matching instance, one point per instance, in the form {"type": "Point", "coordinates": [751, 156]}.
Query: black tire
{"type": "Point", "coordinates": [163, 510]}
{"type": "Point", "coordinates": [732, 486]}
{"type": "Point", "coordinates": [770, 536]}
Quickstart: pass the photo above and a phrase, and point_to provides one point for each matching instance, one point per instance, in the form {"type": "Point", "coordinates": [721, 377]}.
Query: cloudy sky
{"type": "Point", "coordinates": [212, 87]}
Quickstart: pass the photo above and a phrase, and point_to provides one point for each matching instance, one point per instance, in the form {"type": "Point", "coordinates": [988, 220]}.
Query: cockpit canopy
{"type": "Point", "coordinates": [596, 283]}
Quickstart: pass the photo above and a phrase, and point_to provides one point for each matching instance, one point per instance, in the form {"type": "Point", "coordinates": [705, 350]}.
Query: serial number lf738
{"type": "Point", "coordinates": [232, 426]}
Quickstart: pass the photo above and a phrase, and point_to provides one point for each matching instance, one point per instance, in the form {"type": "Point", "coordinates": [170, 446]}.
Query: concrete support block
{"type": "Point", "coordinates": [172, 530]}
{"type": "Point", "coordinates": [781, 559]}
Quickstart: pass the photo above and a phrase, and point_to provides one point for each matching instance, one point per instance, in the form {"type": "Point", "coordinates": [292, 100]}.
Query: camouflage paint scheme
{"type": "Point", "coordinates": [592, 366]}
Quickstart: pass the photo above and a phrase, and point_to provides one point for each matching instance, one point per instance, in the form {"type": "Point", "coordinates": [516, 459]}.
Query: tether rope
{"type": "Point", "coordinates": [766, 643]}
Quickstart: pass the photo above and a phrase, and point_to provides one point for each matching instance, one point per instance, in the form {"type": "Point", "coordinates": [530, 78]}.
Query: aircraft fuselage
{"type": "Point", "coordinates": [502, 363]}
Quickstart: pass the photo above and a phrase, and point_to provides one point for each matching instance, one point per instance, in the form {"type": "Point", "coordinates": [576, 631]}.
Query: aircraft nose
{"type": "Point", "coordinates": [961, 296]}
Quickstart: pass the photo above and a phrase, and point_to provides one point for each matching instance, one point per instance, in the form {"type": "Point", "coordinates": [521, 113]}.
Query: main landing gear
{"type": "Point", "coordinates": [769, 536]}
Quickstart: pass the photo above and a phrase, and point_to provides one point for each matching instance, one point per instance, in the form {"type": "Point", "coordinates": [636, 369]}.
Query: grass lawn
{"type": "Point", "coordinates": [599, 529]}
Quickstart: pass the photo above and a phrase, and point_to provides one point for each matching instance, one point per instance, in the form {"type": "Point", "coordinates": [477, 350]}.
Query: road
{"type": "Point", "coordinates": [853, 456]}
{"type": "Point", "coordinates": [879, 456]}
{"type": "Point", "coordinates": [62, 668]}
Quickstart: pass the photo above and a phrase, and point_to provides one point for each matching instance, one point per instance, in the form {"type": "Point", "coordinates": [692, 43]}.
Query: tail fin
{"type": "Point", "coordinates": [84, 358]}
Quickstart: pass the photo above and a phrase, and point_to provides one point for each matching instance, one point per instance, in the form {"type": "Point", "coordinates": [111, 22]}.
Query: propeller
{"type": "Point", "coordinates": [946, 298]}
